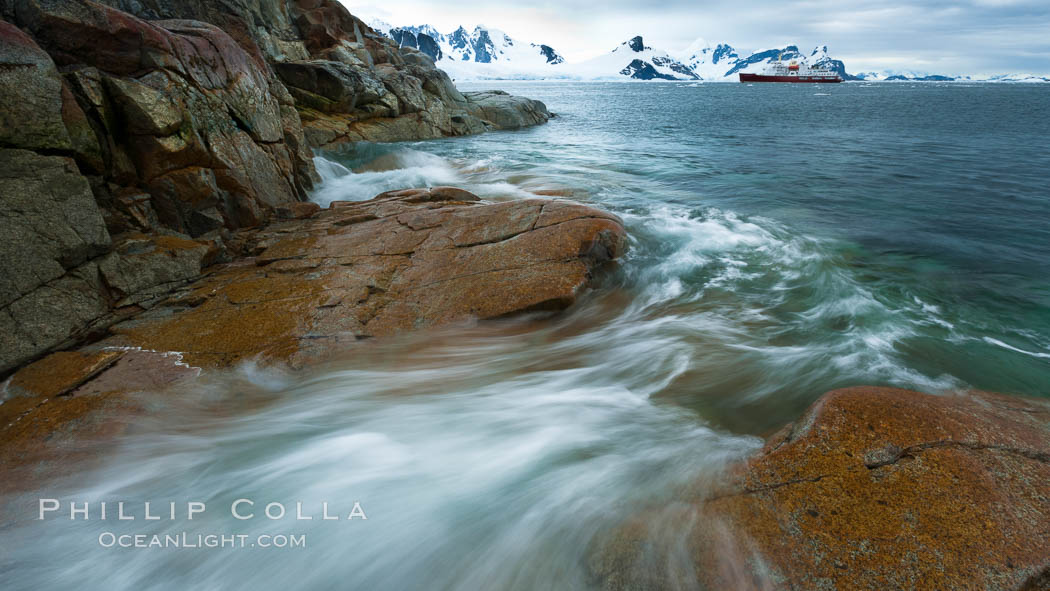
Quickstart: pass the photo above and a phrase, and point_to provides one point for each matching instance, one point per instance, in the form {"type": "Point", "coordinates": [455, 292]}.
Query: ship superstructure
{"type": "Point", "coordinates": [792, 71]}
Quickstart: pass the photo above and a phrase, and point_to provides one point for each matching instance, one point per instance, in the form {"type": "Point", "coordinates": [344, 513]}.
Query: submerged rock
{"type": "Point", "coordinates": [49, 408]}
{"type": "Point", "coordinates": [874, 488]}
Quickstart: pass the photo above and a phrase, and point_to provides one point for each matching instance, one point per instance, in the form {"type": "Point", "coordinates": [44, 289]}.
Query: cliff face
{"type": "Point", "coordinates": [136, 135]}
{"type": "Point", "coordinates": [350, 83]}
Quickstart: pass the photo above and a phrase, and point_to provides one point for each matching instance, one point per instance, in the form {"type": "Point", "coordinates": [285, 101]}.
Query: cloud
{"type": "Point", "coordinates": [951, 37]}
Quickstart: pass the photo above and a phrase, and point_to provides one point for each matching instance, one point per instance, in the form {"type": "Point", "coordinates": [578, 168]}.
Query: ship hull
{"type": "Point", "coordinates": [792, 79]}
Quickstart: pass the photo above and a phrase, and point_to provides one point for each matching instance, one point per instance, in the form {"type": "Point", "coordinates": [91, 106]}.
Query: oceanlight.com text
{"type": "Point", "coordinates": [185, 540]}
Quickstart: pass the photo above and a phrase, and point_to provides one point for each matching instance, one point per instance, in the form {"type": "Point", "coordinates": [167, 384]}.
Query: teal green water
{"type": "Point", "coordinates": [785, 240]}
{"type": "Point", "coordinates": [890, 234]}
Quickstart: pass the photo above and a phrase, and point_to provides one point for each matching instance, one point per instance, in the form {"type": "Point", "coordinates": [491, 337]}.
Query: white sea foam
{"type": "Point", "coordinates": [470, 453]}
{"type": "Point", "coordinates": [751, 282]}
{"type": "Point", "coordinates": [177, 356]}
{"type": "Point", "coordinates": [999, 343]}
{"type": "Point", "coordinates": [701, 257]}
{"type": "Point", "coordinates": [492, 455]}
{"type": "Point", "coordinates": [404, 169]}
{"type": "Point", "coordinates": [329, 170]}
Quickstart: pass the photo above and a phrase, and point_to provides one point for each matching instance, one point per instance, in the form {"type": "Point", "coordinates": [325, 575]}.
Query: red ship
{"type": "Point", "coordinates": [792, 72]}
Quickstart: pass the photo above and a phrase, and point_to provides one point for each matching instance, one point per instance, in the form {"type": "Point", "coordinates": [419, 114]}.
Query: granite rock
{"type": "Point", "coordinates": [873, 488]}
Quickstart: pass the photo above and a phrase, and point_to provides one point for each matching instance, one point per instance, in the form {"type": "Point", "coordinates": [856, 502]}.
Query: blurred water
{"type": "Point", "coordinates": [784, 242]}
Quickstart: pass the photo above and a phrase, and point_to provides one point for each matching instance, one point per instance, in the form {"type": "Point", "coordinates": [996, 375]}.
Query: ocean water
{"type": "Point", "coordinates": [785, 240]}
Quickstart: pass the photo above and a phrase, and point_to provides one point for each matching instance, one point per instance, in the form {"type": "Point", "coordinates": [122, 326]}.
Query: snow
{"type": "Point", "coordinates": [611, 65]}
{"type": "Point", "coordinates": [484, 53]}
{"type": "Point", "coordinates": [710, 61]}
{"type": "Point", "coordinates": [487, 53]}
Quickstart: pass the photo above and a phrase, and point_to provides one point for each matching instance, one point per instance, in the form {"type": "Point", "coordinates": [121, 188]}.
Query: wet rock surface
{"type": "Point", "coordinates": [59, 410]}
{"type": "Point", "coordinates": [874, 488]}
{"type": "Point", "coordinates": [166, 96]}
{"type": "Point", "coordinates": [318, 283]}
{"type": "Point", "coordinates": [404, 260]}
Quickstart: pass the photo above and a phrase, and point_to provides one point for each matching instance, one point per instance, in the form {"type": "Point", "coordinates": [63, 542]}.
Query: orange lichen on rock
{"type": "Point", "coordinates": [30, 404]}
{"type": "Point", "coordinates": [877, 488]}
{"type": "Point", "coordinates": [61, 372]}
{"type": "Point", "coordinates": [403, 260]}
{"type": "Point", "coordinates": [312, 285]}
{"type": "Point", "coordinates": [71, 394]}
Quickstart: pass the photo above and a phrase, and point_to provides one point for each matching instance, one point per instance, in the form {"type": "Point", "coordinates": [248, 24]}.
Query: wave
{"type": "Point", "coordinates": [774, 312]}
{"type": "Point", "coordinates": [481, 460]}
{"type": "Point", "coordinates": [397, 170]}
{"type": "Point", "coordinates": [489, 455]}
{"type": "Point", "coordinates": [366, 170]}
{"type": "Point", "coordinates": [492, 455]}
{"type": "Point", "coordinates": [780, 313]}
{"type": "Point", "coordinates": [999, 343]}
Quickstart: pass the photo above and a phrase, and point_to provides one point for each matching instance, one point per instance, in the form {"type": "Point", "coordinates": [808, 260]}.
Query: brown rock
{"type": "Point", "coordinates": [505, 111]}
{"type": "Point", "coordinates": [49, 221]}
{"type": "Point", "coordinates": [51, 228]}
{"type": "Point", "coordinates": [255, 24]}
{"type": "Point", "coordinates": [131, 211]}
{"type": "Point", "coordinates": [143, 267]}
{"type": "Point", "coordinates": [72, 397]}
{"type": "Point", "coordinates": [85, 145]}
{"type": "Point", "coordinates": [404, 260]}
{"type": "Point", "coordinates": [876, 488]}
{"type": "Point", "coordinates": [87, 87]}
{"type": "Point", "coordinates": [323, 23]}
{"type": "Point", "coordinates": [30, 94]}
{"type": "Point", "coordinates": [298, 211]}
{"type": "Point", "coordinates": [336, 86]}
{"type": "Point", "coordinates": [168, 95]}
{"type": "Point", "coordinates": [184, 198]}
{"type": "Point", "coordinates": [60, 373]}
{"type": "Point", "coordinates": [145, 109]}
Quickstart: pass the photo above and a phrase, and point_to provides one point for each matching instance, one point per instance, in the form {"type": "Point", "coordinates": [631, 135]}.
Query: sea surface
{"type": "Point", "coordinates": [786, 240]}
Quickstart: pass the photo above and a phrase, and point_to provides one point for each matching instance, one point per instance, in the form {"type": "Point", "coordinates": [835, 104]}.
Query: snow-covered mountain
{"type": "Point", "coordinates": [634, 59]}
{"type": "Point", "coordinates": [487, 53]}
{"type": "Point", "coordinates": [917, 76]}
{"type": "Point", "coordinates": [892, 75]}
{"type": "Point", "coordinates": [715, 62]}
{"type": "Point", "coordinates": [1015, 78]}
{"type": "Point", "coordinates": [709, 61]}
{"type": "Point", "coordinates": [482, 53]}
{"type": "Point", "coordinates": [722, 62]}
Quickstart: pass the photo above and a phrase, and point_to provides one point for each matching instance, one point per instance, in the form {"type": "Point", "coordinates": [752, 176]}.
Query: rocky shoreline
{"type": "Point", "coordinates": [150, 154]}
{"type": "Point", "coordinates": [872, 488]}
{"type": "Point", "coordinates": [155, 167]}
{"type": "Point", "coordinates": [131, 149]}
{"type": "Point", "coordinates": [302, 289]}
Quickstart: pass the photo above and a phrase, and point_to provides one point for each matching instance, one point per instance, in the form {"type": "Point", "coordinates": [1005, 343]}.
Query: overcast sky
{"type": "Point", "coordinates": [937, 36]}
